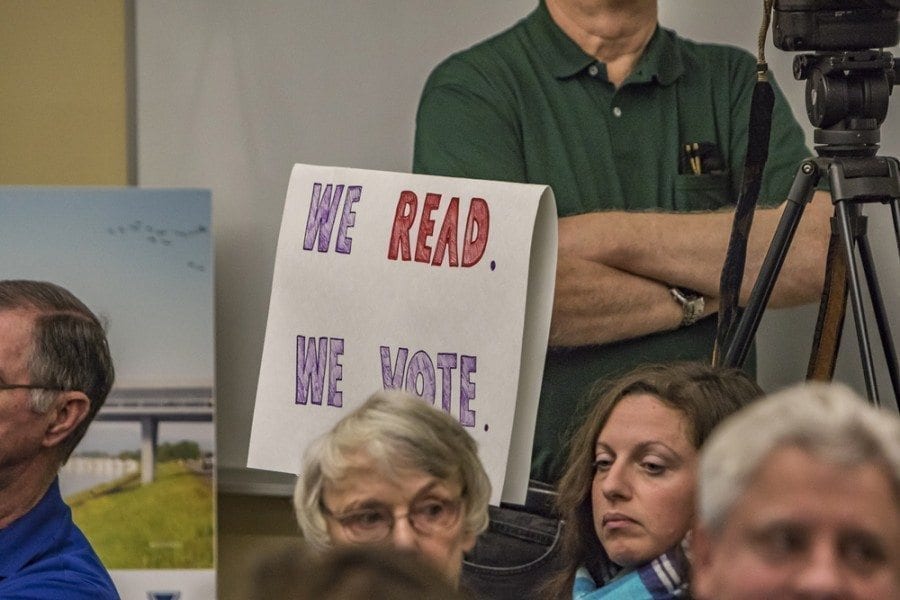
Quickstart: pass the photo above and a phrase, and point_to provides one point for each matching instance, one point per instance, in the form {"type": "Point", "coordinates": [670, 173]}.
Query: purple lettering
{"type": "Point", "coordinates": [467, 366]}
{"type": "Point", "coordinates": [418, 376]}
{"type": "Point", "coordinates": [420, 366]}
{"type": "Point", "coordinates": [393, 379]}
{"type": "Point", "coordinates": [336, 370]}
{"type": "Point", "coordinates": [348, 219]}
{"type": "Point", "coordinates": [322, 212]}
{"type": "Point", "coordinates": [446, 362]}
{"type": "Point", "coordinates": [310, 370]}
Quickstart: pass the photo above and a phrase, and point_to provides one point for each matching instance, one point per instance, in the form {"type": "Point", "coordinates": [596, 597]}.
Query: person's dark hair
{"type": "Point", "coordinates": [69, 348]}
{"type": "Point", "coordinates": [348, 573]}
{"type": "Point", "coordinates": [705, 395]}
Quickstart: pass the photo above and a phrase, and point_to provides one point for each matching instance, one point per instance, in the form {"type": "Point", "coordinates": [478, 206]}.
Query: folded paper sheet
{"type": "Point", "coordinates": [438, 285]}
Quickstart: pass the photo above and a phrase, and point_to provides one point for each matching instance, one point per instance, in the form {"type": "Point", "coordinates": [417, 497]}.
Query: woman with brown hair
{"type": "Point", "coordinates": [627, 494]}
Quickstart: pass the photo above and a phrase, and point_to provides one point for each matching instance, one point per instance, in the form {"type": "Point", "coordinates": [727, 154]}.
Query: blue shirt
{"type": "Point", "coordinates": [43, 555]}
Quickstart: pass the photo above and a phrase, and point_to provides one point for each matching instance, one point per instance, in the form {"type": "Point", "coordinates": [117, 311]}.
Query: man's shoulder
{"type": "Point", "coordinates": [52, 558]}
{"type": "Point", "coordinates": [68, 584]}
{"type": "Point", "coordinates": [66, 568]}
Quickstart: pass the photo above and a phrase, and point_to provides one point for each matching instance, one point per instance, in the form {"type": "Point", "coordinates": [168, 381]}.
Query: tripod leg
{"type": "Point", "coordinates": [849, 220]}
{"type": "Point", "coordinates": [832, 308]}
{"type": "Point", "coordinates": [881, 319]}
{"type": "Point", "coordinates": [895, 212]}
{"type": "Point", "coordinates": [799, 196]}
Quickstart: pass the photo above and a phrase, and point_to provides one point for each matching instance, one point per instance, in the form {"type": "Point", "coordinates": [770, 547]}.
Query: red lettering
{"type": "Point", "coordinates": [474, 241]}
{"type": "Point", "coordinates": [426, 227]}
{"type": "Point", "coordinates": [447, 237]}
{"type": "Point", "coordinates": [478, 222]}
{"type": "Point", "coordinates": [404, 216]}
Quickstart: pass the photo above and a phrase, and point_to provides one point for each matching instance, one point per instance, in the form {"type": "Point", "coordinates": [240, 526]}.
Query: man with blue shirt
{"type": "Point", "coordinates": [55, 374]}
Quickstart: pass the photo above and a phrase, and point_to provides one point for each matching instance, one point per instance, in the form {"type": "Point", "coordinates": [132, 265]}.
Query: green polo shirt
{"type": "Point", "coordinates": [528, 105]}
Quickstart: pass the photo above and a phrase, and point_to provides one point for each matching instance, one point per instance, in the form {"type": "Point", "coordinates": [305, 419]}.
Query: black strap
{"type": "Point", "coordinates": [759, 127]}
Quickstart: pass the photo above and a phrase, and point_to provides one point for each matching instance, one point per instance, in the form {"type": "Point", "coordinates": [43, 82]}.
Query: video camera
{"type": "Point", "coordinates": [804, 25]}
{"type": "Point", "coordinates": [848, 78]}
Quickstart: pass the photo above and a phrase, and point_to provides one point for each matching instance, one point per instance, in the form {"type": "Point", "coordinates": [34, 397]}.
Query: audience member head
{"type": "Point", "coordinates": [348, 573]}
{"type": "Point", "coordinates": [54, 351]}
{"type": "Point", "coordinates": [627, 494]}
{"type": "Point", "coordinates": [799, 497]}
{"type": "Point", "coordinates": [395, 471]}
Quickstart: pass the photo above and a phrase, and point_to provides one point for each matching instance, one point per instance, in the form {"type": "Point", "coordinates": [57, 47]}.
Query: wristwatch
{"type": "Point", "coordinates": [692, 304]}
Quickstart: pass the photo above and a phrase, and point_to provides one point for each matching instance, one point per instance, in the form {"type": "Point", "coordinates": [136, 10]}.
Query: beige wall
{"type": "Point", "coordinates": [65, 92]}
{"type": "Point", "coordinates": [249, 527]}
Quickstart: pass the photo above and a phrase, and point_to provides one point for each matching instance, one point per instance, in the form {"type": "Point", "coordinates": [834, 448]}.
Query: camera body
{"type": "Point", "coordinates": [848, 75]}
{"type": "Point", "coordinates": [835, 25]}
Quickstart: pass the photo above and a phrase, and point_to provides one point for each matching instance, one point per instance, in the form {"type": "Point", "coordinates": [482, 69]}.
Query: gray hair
{"type": "Point", "coordinates": [398, 431]}
{"type": "Point", "coordinates": [69, 350]}
{"type": "Point", "coordinates": [829, 421]}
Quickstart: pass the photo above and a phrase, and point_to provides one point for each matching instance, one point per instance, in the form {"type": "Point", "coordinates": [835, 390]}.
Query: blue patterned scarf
{"type": "Point", "coordinates": [662, 578]}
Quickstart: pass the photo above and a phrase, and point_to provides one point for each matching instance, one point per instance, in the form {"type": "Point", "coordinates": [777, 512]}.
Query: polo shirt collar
{"type": "Point", "coordinates": [564, 57]}
{"type": "Point", "coordinates": [661, 60]}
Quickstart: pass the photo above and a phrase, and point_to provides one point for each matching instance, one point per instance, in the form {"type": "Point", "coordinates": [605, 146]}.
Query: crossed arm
{"type": "Point", "coordinates": [615, 268]}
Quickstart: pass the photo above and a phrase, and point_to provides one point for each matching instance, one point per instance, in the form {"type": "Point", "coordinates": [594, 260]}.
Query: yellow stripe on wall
{"type": "Point", "coordinates": [65, 108]}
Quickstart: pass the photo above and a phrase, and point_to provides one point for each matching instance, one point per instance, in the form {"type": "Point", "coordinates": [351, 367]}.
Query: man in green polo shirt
{"type": "Point", "coordinates": [642, 136]}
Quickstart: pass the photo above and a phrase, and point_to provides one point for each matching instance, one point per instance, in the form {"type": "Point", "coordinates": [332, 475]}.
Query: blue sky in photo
{"type": "Point", "coordinates": [142, 260]}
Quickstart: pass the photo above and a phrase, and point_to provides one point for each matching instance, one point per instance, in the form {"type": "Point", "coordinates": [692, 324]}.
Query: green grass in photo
{"type": "Point", "coordinates": [167, 524]}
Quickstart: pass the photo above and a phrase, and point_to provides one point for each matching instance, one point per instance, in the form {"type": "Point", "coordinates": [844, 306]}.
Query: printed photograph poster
{"type": "Point", "coordinates": [140, 483]}
{"type": "Point", "coordinates": [441, 286]}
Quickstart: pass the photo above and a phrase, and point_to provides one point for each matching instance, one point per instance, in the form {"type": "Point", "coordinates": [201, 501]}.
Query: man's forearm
{"type": "Point", "coordinates": [688, 249]}
{"type": "Point", "coordinates": [597, 304]}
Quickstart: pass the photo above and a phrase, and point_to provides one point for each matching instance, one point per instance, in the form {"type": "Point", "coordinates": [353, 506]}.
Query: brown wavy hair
{"type": "Point", "coordinates": [704, 394]}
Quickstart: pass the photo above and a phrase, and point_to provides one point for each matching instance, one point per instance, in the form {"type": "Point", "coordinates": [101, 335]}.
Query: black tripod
{"type": "Point", "coordinates": [846, 101]}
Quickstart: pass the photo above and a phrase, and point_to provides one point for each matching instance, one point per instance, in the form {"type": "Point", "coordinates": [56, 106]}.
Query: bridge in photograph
{"type": "Point", "coordinates": [149, 406]}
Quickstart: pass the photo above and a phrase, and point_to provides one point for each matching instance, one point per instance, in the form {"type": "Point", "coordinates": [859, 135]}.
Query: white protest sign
{"type": "Point", "coordinates": [439, 285]}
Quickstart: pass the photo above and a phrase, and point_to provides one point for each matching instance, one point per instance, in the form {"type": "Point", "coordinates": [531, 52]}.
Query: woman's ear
{"type": "Point", "coordinates": [468, 541]}
{"type": "Point", "coordinates": [64, 416]}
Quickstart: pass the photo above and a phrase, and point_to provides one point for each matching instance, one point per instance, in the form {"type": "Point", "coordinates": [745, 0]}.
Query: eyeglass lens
{"type": "Point", "coordinates": [375, 523]}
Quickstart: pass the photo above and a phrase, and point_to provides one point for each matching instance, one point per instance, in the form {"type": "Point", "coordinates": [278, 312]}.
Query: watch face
{"type": "Point", "coordinates": [689, 294]}
{"type": "Point", "coordinates": [692, 305]}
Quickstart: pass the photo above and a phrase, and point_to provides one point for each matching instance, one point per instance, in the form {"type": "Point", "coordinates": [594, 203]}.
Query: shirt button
{"type": "Point", "coordinates": [617, 112]}
{"type": "Point", "coordinates": [593, 70]}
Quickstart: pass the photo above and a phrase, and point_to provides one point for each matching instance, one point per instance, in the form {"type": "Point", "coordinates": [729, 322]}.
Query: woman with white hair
{"type": "Point", "coordinates": [395, 471]}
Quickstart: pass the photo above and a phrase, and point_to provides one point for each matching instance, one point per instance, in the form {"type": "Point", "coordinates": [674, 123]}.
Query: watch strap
{"type": "Point", "coordinates": [692, 304]}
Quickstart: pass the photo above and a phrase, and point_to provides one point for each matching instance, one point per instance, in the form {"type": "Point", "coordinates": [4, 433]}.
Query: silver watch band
{"type": "Point", "coordinates": [692, 305]}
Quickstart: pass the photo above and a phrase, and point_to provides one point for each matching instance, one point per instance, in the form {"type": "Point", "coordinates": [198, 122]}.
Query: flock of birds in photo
{"type": "Point", "coordinates": [161, 237]}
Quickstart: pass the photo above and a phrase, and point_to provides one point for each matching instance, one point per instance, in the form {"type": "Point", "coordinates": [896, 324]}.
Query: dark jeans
{"type": "Point", "coordinates": [514, 557]}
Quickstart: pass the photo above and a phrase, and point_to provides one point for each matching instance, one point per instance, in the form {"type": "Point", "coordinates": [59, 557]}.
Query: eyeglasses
{"type": "Point", "coordinates": [27, 386]}
{"type": "Point", "coordinates": [375, 523]}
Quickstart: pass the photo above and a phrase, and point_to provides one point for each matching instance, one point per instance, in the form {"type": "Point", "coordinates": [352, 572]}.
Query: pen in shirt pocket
{"type": "Point", "coordinates": [698, 158]}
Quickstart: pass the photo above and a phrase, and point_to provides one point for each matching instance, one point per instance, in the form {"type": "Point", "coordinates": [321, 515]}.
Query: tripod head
{"type": "Point", "coordinates": [847, 81]}
{"type": "Point", "coordinates": [847, 99]}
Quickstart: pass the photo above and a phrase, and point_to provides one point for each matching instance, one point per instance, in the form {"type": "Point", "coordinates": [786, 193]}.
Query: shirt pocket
{"type": "Point", "coordinates": [707, 191]}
